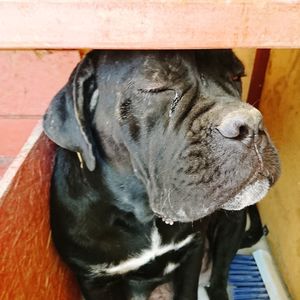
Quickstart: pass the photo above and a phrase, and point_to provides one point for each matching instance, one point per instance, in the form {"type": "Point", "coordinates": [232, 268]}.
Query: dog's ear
{"type": "Point", "coordinates": [65, 122]}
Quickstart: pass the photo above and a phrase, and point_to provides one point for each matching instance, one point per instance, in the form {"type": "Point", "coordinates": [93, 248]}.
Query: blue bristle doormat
{"type": "Point", "coordinates": [245, 280]}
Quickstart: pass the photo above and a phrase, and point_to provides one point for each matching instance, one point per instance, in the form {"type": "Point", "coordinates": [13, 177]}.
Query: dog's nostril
{"type": "Point", "coordinates": [234, 129]}
{"type": "Point", "coordinates": [241, 125]}
{"type": "Point", "coordinates": [243, 132]}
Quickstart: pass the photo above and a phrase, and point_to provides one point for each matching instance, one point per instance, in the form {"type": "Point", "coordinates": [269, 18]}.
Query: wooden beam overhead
{"type": "Point", "coordinates": [132, 24]}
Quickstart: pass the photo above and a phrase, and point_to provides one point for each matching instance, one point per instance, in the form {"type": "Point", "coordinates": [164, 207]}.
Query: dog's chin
{"type": "Point", "coordinates": [183, 217]}
{"type": "Point", "coordinates": [249, 195]}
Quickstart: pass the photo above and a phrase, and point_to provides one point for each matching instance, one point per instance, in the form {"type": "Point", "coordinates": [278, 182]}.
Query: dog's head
{"type": "Point", "coordinates": [173, 119]}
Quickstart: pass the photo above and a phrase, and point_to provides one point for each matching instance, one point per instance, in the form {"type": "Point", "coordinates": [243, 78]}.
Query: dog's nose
{"type": "Point", "coordinates": [246, 122]}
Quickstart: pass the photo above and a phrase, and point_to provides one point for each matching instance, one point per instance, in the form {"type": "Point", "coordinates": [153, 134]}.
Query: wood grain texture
{"type": "Point", "coordinates": [155, 24]}
{"type": "Point", "coordinates": [280, 105]}
{"type": "Point", "coordinates": [29, 265]}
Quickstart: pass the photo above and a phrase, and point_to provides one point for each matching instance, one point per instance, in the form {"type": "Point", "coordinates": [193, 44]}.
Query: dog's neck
{"type": "Point", "coordinates": [129, 193]}
{"type": "Point", "coordinates": [118, 171]}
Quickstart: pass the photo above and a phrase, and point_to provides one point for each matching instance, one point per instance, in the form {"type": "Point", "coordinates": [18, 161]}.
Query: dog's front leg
{"type": "Point", "coordinates": [186, 277]}
{"type": "Point", "coordinates": [223, 248]}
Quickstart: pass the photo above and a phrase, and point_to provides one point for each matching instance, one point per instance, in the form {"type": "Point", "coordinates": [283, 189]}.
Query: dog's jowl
{"type": "Point", "coordinates": [157, 160]}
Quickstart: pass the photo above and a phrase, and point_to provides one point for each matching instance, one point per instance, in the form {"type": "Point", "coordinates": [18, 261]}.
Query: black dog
{"type": "Point", "coordinates": [154, 148]}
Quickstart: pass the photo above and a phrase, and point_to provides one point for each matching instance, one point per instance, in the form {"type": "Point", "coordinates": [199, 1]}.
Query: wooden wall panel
{"type": "Point", "coordinates": [142, 24]}
{"type": "Point", "coordinates": [280, 105]}
{"type": "Point", "coordinates": [29, 265]}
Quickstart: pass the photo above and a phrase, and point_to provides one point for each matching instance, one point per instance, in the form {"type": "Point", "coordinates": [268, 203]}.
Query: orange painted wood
{"type": "Point", "coordinates": [29, 265]}
{"type": "Point", "coordinates": [5, 161]}
{"type": "Point", "coordinates": [149, 24]}
{"type": "Point", "coordinates": [13, 135]}
{"type": "Point", "coordinates": [30, 79]}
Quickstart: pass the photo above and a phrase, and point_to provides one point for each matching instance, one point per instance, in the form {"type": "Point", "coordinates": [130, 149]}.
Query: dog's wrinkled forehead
{"type": "Point", "coordinates": [158, 70]}
{"type": "Point", "coordinates": [166, 70]}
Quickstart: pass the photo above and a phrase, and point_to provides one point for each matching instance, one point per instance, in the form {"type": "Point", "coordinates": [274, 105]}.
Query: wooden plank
{"type": "Point", "coordinates": [13, 134]}
{"type": "Point", "coordinates": [30, 267]}
{"type": "Point", "coordinates": [156, 24]}
{"type": "Point", "coordinates": [5, 161]}
{"type": "Point", "coordinates": [280, 211]}
{"type": "Point", "coordinates": [30, 79]}
{"type": "Point", "coordinates": [258, 76]}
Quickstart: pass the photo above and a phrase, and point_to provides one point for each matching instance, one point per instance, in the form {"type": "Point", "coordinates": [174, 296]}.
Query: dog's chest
{"type": "Point", "coordinates": [158, 258]}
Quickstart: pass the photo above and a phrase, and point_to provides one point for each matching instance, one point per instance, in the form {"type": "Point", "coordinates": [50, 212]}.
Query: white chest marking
{"type": "Point", "coordinates": [170, 268]}
{"type": "Point", "coordinates": [146, 255]}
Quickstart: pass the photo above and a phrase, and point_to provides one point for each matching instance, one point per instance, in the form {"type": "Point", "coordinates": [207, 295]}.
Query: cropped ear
{"type": "Point", "coordinates": [65, 121]}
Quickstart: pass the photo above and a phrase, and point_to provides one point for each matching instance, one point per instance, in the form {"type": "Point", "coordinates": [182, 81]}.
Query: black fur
{"type": "Point", "coordinates": [147, 129]}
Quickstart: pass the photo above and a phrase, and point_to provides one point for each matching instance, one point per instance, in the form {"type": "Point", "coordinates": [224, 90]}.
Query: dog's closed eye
{"type": "Point", "coordinates": [175, 100]}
